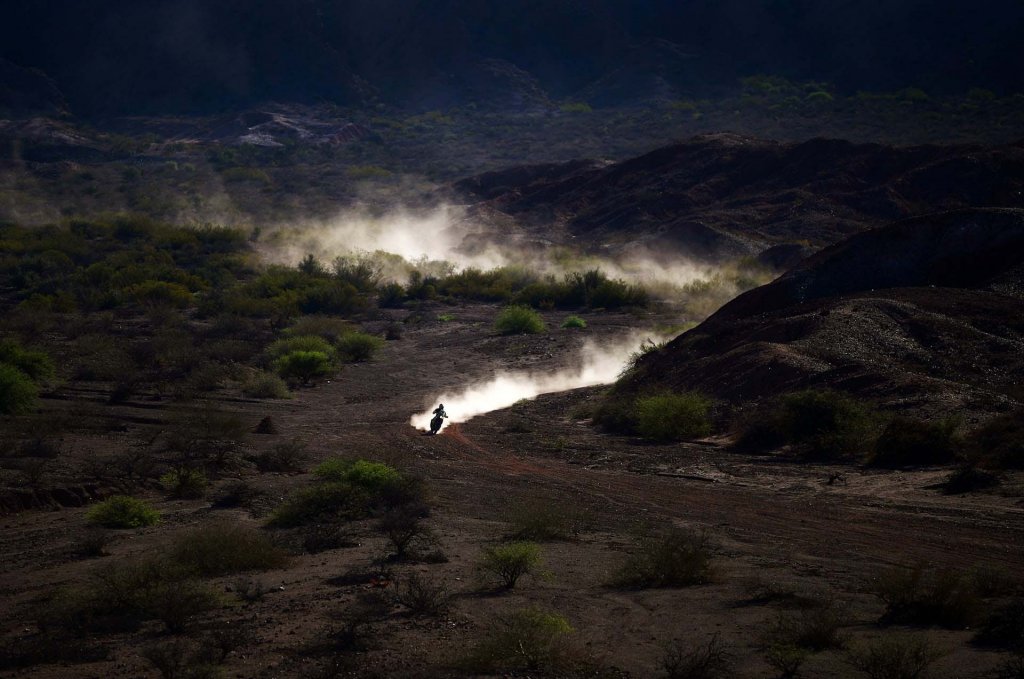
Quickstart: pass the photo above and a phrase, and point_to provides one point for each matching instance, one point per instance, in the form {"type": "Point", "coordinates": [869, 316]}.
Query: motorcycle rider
{"type": "Point", "coordinates": [439, 411]}
{"type": "Point", "coordinates": [439, 415]}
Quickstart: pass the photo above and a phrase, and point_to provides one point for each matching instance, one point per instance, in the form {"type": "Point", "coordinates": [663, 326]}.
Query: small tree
{"type": "Point", "coordinates": [511, 561]}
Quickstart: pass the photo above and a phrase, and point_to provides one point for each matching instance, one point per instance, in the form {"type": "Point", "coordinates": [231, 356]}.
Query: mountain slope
{"type": "Point", "coordinates": [926, 314]}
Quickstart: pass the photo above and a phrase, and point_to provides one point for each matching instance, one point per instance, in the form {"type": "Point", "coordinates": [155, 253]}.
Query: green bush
{"type": "Point", "coordinates": [907, 442]}
{"type": "Point", "coordinates": [225, 548]}
{"type": "Point", "coordinates": [921, 596]}
{"type": "Point", "coordinates": [185, 482]}
{"type": "Point", "coordinates": [123, 511]}
{"type": "Point", "coordinates": [819, 423]}
{"type": "Point", "coordinates": [291, 344]}
{"type": "Point", "coordinates": [510, 561]}
{"type": "Point", "coordinates": [303, 365]}
{"type": "Point", "coordinates": [673, 558]}
{"type": "Point", "coordinates": [356, 347]}
{"type": "Point", "coordinates": [266, 385]}
{"type": "Point", "coordinates": [574, 322]}
{"type": "Point", "coordinates": [518, 320]}
{"type": "Point", "coordinates": [17, 391]}
{"type": "Point", "coordinates": [323, 502]}
{"type": "Point", "coordinates": [529, 639]}
{"type": "Point", "coordinates": [161, 293]}
{"type": "Point", "coordinates": [370, 476]}
{"type": "Point", "coordinates": [328, 328]}
{"type": "Point", "coordinates": [36, 364]}
{"type": "Point", "coordinates": [673, 417]}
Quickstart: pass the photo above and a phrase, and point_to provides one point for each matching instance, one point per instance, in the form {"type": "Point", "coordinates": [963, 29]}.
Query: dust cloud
{"type": "Point", "coordinates": [594, 364]}
{"type": "Point", "coordinates": [447, 235]}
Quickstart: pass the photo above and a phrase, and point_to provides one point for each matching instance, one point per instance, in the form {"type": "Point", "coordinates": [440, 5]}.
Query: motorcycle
{"type": "Point", "coordinates": [435, 424]}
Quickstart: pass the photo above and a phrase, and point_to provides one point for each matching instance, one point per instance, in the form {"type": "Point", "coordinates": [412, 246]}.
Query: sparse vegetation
{"type": "Point", "coordinates": [266, 385]}
{"type": "Point", "coordinates": [528, 639]}
{"type": "Point", "coordinates": [185, 482]}
{"type": "Point", "coordinates": [574, 322]}
{"type": "Point", "coordinates": [922, 596]}
{"type": "Point", "coordinates": [813, 627]}
{"type": "Point", "coordinates": [669, 558]}
{"type": "Point", "coordinates": [703, 661]}
{"type": "Point", "coordinates": [673, 417]}
{"type": "Point", "coordinates": [355, 347]}
{"type": "Point", "coordinates": [818, 423]}
{"type": "Point", "coordinates": [519, 320]}
{"type": "Point", "coordinates": [511, 561]}
{"type": "Point", "coordinates": [224, 548]}
{"type": "Point", "coordinates": [906, 442]}
{"type": "Point", "coordinates": [541, 521]}
{"type": "Point", "coordinates": [422, 595]}
{"type": "Point", "coordinates": [895, 657]}
{"type": "Point", "coordinates": [1004, 626]}
{"type": "Point", "coordinates": [123, 511]}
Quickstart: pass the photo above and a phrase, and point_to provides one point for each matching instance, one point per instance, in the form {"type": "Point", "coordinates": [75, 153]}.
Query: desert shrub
{"type": "Point", "coordinates": [17, 391]}
{"type": "Point", "coordinates": [574, 322]}
{"type": "Point", "coordinates": [403, 526]}
{"type": "Point", "coordinates": [329, 328]}
{"type": "Point", "coordinates": [615, 413]}
{"type": "Point", "coordinates": [160, 293]}
{"type": "Point", "coordinates": [371, 476]}
{"type": "Point", "coordinates": [356, 347]}
{"type": "Point", "coordinates": [283, 457]}
{"type": "Point", "coordinates": [992, 581]}
{"type": "Point", "coordinates": [92, 544]}
{"type": "Point", "coordinates": [185, 482]}
{"type": "Point", "coordinates": [1004, 626]}
{"type": "Point", "coordinates": [999, 443]}
{"type": "Point", "coordinates": [672, 558]}
{"type": "Point", "coordinates": [124, 593]}
{"type": "Point", "coordinates": [303, 365]}
{"type": "Point", "coordinates": [542, 521]}
{"type": "Point", "coordinates": [287, 345]}
{"type": "Point", "coordinates": [123, 511]}
{"type": "Point", "coordinates": [820, 423]}
{"type": "Point", "coordinates": [362, 271]}
{"type": "Point", "coordinates": [350, 489]}
{"type": "Point", "coordinates": [786, 659]}
{"type": "Point", "coordinates": [422, 595]}
{"type": "Point", "coordinates": [815, 627]}
{"type": "Point", "coordinates": [672, 417]}
{"type": "Point", "coordinates": [323, 502]}
{"type": "Point", "coordinates": [907, 441]}
{"type": "Point", "coordinates": [249, 590]}
{"type": "Point", "coordinates": [705, 661]}
{"type": "Point", "coordinates": [920, 596]}
{"type": "Point", "coordinates": [36, 364]}
{"type": "Point", "coordinates": [511, 561]}
{"type": "Point", "coordinates": [518, 320]}
{"type": "Point", "coordinates": [901, 657]}
{"type": "Point", "coordinates": [322, 537]}
{"type": "Point", "coordinates": [265, 385]}
{"type": "Point", "coordinates": [202, 436]}
{"type": "Point", "coordinates": [237, 493]}
{"type": "Point", "coordinates": [225, 548]}
{"type": "Point", "coordinates": [967, 477]}
{"type": "Point", "coordinates": [528, 639]}
{"type": "Point", "coordinates": [178, 659]}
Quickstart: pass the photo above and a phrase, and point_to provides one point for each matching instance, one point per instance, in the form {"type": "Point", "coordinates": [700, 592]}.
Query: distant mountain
{"type": "Point", "coordinates": [721, 196]}
{"type": "Point", "coordinates": [926, 314]}
{"type": "Point", "coordinates": [118, 57]}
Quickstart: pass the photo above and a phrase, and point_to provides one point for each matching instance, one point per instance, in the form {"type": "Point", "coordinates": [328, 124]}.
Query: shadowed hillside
{"type": "Point", "coordinates": [927, 313]}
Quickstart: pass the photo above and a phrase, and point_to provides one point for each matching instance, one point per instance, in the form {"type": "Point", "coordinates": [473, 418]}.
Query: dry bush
{"type": "Point", "coordinates": [284, 458]}
{"type": "Point", "coordinates": [895, 657]}
{"type": "Point", "coordinates": [786, 659]}
{"type": "Point", "coordinates": [921, 596]}
{"type": "Point", "coordinates": [403, 527]}
{"type": "Point", "coordinates": [815, 628]}
{"type": "Point", "coordinates": [422, 595]}
{"type": "Point", "coordinates": [185, 483]}
{"type": "Point", "coordinates": [705, 661]}
{"type": "Point", "coordinates": [541, 521]}
{"type": "Point", "coordinates": [671, 558]}
{"type": "Point", "coordinates": [224, 548]}
{"type": "Point", "coordinates": [93, 543]}
{"type": "Point", "coordinates": [322, 537]}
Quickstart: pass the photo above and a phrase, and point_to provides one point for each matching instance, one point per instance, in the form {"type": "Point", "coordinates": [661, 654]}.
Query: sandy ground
{"type": "Point", "coordinates": [770, 521]}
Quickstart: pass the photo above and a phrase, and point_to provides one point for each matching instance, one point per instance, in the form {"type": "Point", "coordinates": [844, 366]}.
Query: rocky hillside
{"type": "Point", "coordinates": [724, 195]}
{"type": "Point", "coordinates": [926, 315]}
